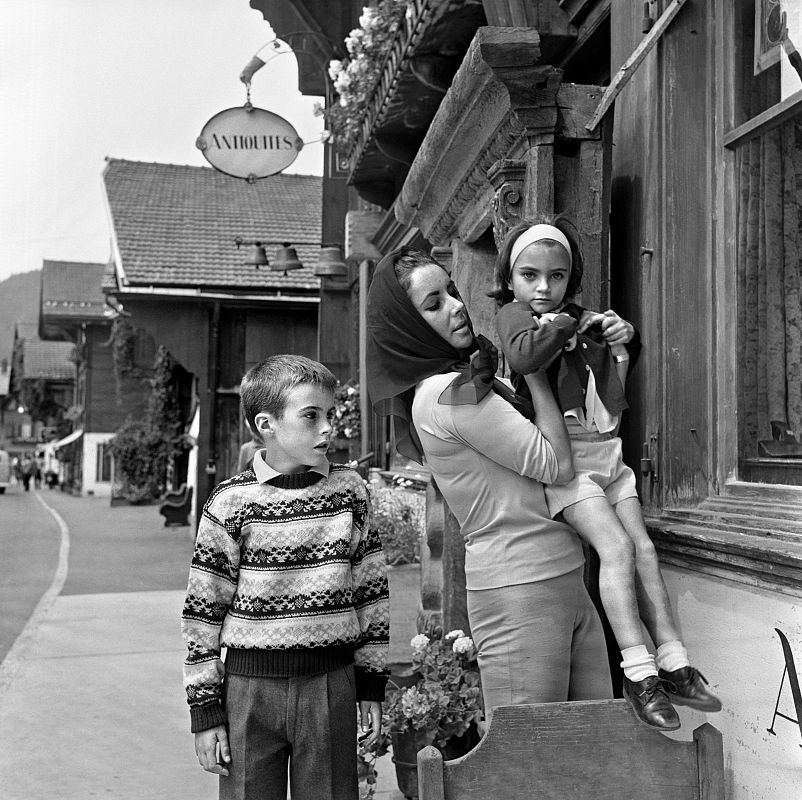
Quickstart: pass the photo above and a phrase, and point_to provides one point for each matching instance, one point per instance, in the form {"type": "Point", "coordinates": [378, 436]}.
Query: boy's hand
{"type": "Point", "coordinates": [614, 329]}
{"type": "Point", "coordinates": [206, 747]}
{"type": "Point", "coordinates": [370, 718]}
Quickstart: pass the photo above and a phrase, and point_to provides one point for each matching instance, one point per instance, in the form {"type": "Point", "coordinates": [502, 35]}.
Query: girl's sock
{"type": "Point", "coordinates": [672, 655]}
{"type": "Point", "coordinates": [638, 663]}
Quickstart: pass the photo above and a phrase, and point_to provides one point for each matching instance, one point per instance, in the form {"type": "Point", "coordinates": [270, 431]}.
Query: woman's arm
{"type": "Point", "coordinates": [492, 427]}
{"type": "Point", "coordinates": [551, 423]}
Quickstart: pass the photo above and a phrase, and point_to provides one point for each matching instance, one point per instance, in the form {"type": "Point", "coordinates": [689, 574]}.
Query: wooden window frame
{"type": "Point", "coordinates": [745, 531]}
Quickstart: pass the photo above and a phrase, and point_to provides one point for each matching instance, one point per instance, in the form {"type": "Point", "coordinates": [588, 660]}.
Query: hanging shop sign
{"type": "Point", "coordinates": [247, 142]}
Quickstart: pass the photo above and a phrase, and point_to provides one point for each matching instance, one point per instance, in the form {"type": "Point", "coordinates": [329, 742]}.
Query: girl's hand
{"type": "Point", "coordinates": [614, 329]}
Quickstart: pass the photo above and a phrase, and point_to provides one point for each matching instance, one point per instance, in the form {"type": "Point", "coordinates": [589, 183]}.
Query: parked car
{"type": "Point", "coordinates": [5, 471]}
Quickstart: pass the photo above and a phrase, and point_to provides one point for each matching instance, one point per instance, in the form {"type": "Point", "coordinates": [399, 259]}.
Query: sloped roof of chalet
{"type": "Point", "coordinates": [109, 280]}
{"type": "Point", "coordinates": [174, 226]}
{"type": "Point", "coordinates": [73, 289]}
{"type": "Point", "coordinates": [24, 329]}
{"type": "Point", "coordinates": [50, 360]}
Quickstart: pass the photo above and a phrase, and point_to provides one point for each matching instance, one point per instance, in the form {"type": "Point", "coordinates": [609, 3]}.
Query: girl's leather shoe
{"type": "Point", "coordinates": [650, 703]}
{"type": "Point", "coordinates": [687, 687]}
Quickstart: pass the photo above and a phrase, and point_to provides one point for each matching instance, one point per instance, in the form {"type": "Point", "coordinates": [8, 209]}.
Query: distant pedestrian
{"type": "Point", "coordinates": [289, 577]}
{"type": "Point", "coordinates": [39, 465]}
{"type": "Point", "coordinates": [27, 468]}
{"type": "Point", "coordinates": [248, 451]}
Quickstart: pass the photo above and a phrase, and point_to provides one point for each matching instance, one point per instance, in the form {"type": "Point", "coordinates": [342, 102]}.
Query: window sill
{"type": "Point", "coordinates": [752, 534]}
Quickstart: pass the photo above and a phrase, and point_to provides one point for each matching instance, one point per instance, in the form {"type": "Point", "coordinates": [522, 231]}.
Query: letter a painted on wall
{"type": "Point", "coordinates": [793, 680]}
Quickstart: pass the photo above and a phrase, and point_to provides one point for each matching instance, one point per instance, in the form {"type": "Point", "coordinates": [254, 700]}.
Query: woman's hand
{"type": "Point", "coordinates": [614, 329]}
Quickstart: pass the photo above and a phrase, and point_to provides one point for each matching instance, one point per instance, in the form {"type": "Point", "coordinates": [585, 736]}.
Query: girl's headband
{"type": "Point", "coordinates": [535, 234]}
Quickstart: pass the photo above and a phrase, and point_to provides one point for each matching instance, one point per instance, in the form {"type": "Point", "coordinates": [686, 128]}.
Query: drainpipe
{"type": "Point", "coordinates": [211, 393]}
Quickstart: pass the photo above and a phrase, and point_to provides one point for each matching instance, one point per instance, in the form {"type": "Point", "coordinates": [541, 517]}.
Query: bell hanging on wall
{"type": "Point", "coordinates": [330, 262]}
{"type": "Point", "coordinates": [286, 259]}
{"type": "Point", "coordinates": [257, 256]}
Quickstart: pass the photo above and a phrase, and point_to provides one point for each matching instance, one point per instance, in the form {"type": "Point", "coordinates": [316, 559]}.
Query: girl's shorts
{"type": "Point", "coordinates": [599, 471]}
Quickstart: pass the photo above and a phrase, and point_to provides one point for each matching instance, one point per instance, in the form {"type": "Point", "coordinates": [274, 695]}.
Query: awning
{"type": "Point", "coordinates": [66, 440]}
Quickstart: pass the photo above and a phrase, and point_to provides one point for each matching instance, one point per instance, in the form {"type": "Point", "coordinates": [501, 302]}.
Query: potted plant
{"type": "Point", "coordinates": [346, 424]}
{"type": "Point", "coordinates": [442, 707]}
{"type": "Point", "coordinates": [398, 515]}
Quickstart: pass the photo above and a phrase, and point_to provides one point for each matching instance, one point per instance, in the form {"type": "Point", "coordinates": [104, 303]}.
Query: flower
{"type": "Point", "coordinates": [347, 421]}
{"type": "Point", "coordinates": [456, 634]}
{"type": "Point", "coordinates": [445, 699]}
{"type": "Point", "coordinates": [464, 646]}
{"type": "Point", "coordinates": [355, 77]}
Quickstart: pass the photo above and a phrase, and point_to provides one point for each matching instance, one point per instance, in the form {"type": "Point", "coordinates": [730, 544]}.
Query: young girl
{"type": "Point", "coordinates": [586, 355]}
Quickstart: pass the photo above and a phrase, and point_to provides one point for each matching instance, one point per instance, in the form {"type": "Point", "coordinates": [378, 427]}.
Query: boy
{"type": "Point", "coordinates": [288, 576]}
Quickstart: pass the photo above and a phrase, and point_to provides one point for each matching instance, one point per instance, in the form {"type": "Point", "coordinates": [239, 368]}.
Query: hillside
{"type": "Point", "coordinates": [19, 300]}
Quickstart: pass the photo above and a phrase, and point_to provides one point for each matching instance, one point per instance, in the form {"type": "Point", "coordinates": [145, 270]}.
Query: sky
{"type": "Point", "coordinates": [81, 80]}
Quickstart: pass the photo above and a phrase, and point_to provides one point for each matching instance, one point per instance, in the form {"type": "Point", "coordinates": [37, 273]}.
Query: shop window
{"type": "Point", "coordinates": [767, 142]}
{"type": "Point", "coordinates": [103, 464]}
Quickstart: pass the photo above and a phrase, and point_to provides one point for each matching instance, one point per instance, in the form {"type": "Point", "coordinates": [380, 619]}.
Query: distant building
{"type": "Point", "coordinates": [179, 278]}
{"type": "Point", "coordinates": [73, 308]}
{"type": "Point", "coordinates": [42, 389]}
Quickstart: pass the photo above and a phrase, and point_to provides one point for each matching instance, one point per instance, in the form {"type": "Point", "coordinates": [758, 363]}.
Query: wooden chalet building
{"type": "Point", "coordinates": [73, 309]}
{"type": "Point", "coordinates": [43, 386]}
{"type": "Point", "coordinates": [687, 191]}
{"type": "Point", "coordinates": [181, 282]}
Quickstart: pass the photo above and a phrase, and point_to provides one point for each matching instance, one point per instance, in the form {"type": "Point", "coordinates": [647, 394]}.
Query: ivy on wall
{"type": "Point", "coordinates": [144, 448]}
{"type": "Point", "coordinates": [123, 340]}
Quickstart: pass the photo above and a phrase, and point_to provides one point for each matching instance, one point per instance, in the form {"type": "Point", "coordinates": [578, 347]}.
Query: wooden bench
{"type": "Point", "coordinates": [176, 506]}
{"type": "Point", "coordinates": [593, 750]}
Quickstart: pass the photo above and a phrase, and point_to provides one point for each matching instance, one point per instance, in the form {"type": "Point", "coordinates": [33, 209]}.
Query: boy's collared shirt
{"type": "Point", "coordinates": [264, 472]}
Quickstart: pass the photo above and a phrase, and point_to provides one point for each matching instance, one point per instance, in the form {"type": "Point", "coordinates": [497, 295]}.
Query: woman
{"type": "Point", "coordinates": [537, 632]}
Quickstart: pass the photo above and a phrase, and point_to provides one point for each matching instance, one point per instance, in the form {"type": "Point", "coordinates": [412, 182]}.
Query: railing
{"type": "Point", "coordinates": [402, 49]}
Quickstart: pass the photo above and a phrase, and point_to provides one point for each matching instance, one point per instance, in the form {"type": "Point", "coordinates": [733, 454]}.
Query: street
{"type": "Point", "coordinates": [91, 701]}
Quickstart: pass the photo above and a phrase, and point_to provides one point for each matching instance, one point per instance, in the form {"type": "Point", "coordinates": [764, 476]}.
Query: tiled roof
{"type": "Point", "coordinates": [175, 225]}
{"type": "Point", "coordinates": [42, 359]}
{"type": "Point", "coordinates": [26, 330]}
{"type": "Point", "coordinates": [109, 281]}
{"type": "Point", "coordinates": [73, 289]}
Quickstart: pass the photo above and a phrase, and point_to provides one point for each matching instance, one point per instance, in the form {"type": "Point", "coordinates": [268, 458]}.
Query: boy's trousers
{"type": "Point", "coordinates": [308, 722]}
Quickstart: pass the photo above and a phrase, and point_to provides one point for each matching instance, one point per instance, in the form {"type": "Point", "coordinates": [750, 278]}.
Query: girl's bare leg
{"type": "Point", "coordinates": [653, 603]}
{"type": "Point", "coordinates": [597, 523]}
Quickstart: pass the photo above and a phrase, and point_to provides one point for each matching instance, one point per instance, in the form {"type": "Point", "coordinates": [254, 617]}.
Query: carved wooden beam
{"type": "Point", "coordinates": [472, 128]}
{"type": "Point", "coordinates": [502, 102]}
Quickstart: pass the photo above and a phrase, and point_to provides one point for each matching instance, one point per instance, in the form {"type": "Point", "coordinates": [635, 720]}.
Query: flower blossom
{"type": "Point", "coordinates": [455, 634]}
{"type": "Point", "coordinates": [419, 642]}
{"type": "Point", "coordinates": [463, 646]}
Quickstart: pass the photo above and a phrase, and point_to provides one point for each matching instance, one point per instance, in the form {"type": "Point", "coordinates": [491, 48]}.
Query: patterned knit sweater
{"type": "Point", "coordinates": [290, 579]}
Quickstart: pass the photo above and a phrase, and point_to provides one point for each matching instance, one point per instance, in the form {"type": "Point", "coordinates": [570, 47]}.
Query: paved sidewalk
{"type": "Point", "coordinates": [95, 705]}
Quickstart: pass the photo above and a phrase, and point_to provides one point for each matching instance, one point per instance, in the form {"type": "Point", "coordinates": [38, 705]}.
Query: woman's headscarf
{"type": "Point", "coordinates": [402, 350]}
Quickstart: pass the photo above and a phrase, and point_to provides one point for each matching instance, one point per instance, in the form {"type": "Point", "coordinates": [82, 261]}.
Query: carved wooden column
{"type": "Point", "coordinates": [508, 176]}
{"type": "Point", "coordinates": [508, 143]}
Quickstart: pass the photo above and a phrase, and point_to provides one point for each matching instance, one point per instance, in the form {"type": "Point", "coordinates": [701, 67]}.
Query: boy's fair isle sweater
{"type": "Point", "coordinates": [289, 577]}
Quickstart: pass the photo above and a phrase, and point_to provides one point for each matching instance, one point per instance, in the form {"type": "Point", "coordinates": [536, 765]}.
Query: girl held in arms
{"type": "Point", "coordinates": [585, 356]}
